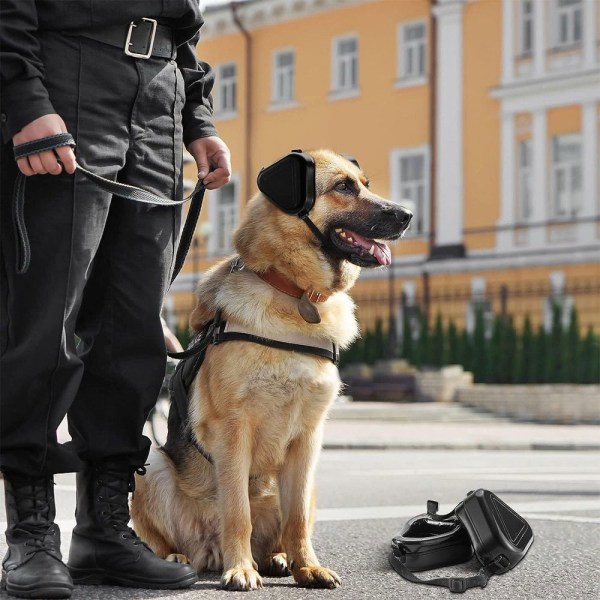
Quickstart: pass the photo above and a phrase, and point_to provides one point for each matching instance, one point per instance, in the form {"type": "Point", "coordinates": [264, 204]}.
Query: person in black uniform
{"type": "Point", "coordinates": [80, 331]}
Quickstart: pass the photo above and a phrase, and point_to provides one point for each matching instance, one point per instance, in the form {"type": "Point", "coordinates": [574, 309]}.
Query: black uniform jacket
{"type": "Point", "coordinates": [23, 96]}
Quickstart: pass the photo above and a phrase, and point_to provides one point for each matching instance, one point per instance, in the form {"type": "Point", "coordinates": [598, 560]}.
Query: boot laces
{"type": "Point", "coordinates": [115, 485]}
{"type": "Point", "coordinates": [33, 502]}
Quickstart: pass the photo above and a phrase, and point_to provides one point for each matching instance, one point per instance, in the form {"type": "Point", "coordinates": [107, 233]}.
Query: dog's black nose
{"type": "Point", "coordinates": [405, 217]}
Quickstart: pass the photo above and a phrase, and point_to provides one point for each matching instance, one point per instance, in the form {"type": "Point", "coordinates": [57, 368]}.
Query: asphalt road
{"type": "Point", "coordinates": [364, 497]}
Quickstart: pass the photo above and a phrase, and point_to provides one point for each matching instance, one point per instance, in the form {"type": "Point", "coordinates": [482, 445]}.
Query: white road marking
{"type": "Point", "coordinates": [567, 518]}
{"type": "Point", "coordinates": [543, 477]}
{"type": "Point", "coordinates": [361, 513]}
{"type": "Point", "coordinates": [471, 471]}
{"type": "Point", "coordinates": [540, 510]}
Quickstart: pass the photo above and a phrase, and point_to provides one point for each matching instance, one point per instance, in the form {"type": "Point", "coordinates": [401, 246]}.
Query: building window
{"type": "Point", "coordinates": [566, 176]}
{"type": "Point", "coordinates": [567, 23]}
{"type": "Point", "coordinates": [524, 181]}
{"type": "Point", "coordinates": [226, 96]}
{"type": "Point", "coordinates": [410, 185]}
{"type": "Point", "coordinates": [526, 27]}
{"type": "Point", "coordinates": [345, 64]}
{"type": "Point", "coordinates": [283, 76]}
{"type": "Point", "coordinates": [412, 53]}
{"type": "Point", "coordinates": [224, 217]}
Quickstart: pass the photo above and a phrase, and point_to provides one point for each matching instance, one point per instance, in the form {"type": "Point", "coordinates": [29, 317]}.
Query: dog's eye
{"type": "Point", "coordinates": [342, 186]}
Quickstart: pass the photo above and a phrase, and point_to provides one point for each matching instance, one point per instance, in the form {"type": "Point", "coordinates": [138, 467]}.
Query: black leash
{"type": "Point", "coordinates": [113, 187]}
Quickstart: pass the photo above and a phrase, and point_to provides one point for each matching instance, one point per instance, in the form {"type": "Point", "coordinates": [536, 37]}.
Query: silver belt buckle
{"type": "Point", "coordinates": [128, 41]}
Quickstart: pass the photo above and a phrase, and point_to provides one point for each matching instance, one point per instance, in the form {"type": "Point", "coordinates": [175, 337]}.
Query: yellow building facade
{"type": "Point", "coordinates": [481, 115]}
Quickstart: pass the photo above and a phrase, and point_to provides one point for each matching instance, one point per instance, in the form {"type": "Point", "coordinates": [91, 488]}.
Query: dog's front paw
{"type": "Point", "coordinates": [178, 558]}
{"type": "Point", "coordinates": [316, 577]}
{"type": "Point", "coordinates": [241, 580]}
{"type": "Point", "coordinates": [275, 565]}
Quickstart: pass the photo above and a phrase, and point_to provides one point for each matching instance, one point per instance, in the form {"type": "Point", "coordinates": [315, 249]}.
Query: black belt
{"type": "Point", "coordinates": [141, 39]}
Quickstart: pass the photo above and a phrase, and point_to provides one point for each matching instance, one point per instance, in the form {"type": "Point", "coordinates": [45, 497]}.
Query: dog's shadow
{"type": "Point", "coordinates": [212, 580]}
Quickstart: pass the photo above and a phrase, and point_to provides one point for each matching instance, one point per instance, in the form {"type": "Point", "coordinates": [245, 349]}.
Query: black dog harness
{"type": "Point", "coordinates": [216, 332]}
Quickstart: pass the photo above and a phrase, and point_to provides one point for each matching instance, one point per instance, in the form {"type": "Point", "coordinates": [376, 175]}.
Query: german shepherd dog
{"type": "Point", "coordinates": [257, 411]}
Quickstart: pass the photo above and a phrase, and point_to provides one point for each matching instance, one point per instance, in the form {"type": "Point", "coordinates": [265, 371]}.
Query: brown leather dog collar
{"type": "Point", "coordinates": [283, 284]}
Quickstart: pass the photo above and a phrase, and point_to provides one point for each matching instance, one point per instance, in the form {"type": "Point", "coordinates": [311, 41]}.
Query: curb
{"type": "Point", "coordinates": [519, 447]}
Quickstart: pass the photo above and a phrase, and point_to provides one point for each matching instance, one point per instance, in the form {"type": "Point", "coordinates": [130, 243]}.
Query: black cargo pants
{"type": "Point", "coordinates": [80, 331]}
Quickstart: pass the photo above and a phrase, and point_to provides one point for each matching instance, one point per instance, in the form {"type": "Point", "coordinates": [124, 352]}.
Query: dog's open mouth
{"type": "Point", "coordinates": [361, 250]}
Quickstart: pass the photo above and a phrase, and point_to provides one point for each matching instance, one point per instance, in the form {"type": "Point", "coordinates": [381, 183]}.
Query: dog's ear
{"type": "Point", "coordinates": [351, 158]}
{"type": "Point", "coordinates": [290, 182]}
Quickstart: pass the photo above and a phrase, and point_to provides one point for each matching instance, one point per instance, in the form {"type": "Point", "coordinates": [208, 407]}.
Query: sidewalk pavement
{"type": "Point", "coordinates": [445, 426]}
{"type": "Point", "coordinates": [438, 426]}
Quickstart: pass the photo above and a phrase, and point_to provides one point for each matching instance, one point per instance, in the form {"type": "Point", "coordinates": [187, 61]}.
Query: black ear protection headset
{"type": "Point", "coordinates": [289, 183]}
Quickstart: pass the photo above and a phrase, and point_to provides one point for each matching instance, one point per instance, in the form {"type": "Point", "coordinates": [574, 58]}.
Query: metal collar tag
{"type": "Point", "coordinates": [128, 41]}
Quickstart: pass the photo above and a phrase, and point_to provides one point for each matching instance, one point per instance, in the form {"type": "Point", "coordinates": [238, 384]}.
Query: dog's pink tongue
{"type": "Point", "coordinates": [380, 251]}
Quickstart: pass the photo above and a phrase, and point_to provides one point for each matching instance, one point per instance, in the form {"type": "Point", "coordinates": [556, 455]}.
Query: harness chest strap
{"type": "Point", "coordinates": [295, 342]}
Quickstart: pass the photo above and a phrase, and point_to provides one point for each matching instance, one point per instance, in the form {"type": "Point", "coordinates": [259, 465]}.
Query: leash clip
{"type": "Point", "coordinates": [133, 25]}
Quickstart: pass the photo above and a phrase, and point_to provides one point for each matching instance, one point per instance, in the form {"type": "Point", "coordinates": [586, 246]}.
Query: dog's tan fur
{"type": "Point", "coordinates": [259, 411]}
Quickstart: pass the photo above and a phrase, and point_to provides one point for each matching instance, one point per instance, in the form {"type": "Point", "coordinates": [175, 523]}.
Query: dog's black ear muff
{"type": "Point", "coordinates": [290, 182]}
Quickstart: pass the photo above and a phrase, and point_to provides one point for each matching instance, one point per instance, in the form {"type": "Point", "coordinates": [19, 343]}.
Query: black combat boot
{"type": "Point", "coordinates": [33, 567]}
{"type": "Point", "coordinates": [104, 550]}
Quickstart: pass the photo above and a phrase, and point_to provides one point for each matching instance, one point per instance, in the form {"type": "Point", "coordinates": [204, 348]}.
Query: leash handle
{"type": "Point", "coordinates": [457, 585]}
{"type": "Point", "coordinates": [113, 187]}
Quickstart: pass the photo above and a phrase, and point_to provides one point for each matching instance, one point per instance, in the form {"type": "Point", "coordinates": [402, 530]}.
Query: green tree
{"type": "Point", "coordinates": [392, 338]}
{"type": "Point", "coordinates": [573, 343]}
{"type": "Point", "coordinates": [465, 354]}
{"type": "Point", "coordinates": [453, 349]}
{"type": "Point", "coordinates": [369, 347]}
{"type": "Point", "coordinates": [408, 346]}
{"type": "Point", "coordinates": [438, 342]}
{"type": "Point", "coordinates": [422, 342]}
{"type": "Point", "coordinates": [540, 356]}
{"type": "Point", "coordinates": [526, 366]}
{"type": "Point", "coordinates": [480, 348]}
{"type": "Point", "coordinates": [494, 366]}
{"type": "Point", "coordinates": [380, 346]}
{"type": "Point", "coordinates": [589, 366]}
{"type": "Point", "coordinates": [183, 335]}
{"type": "Point", "coordinates": [555, 347]}
{"type": "Point", "coordinates": [507, 352]}
{"type": "Point", "coordinates": [352, 354]}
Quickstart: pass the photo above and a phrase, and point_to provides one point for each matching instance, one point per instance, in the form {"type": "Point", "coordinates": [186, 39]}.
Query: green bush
{"type": "Point", "coordinates": [508, 356]}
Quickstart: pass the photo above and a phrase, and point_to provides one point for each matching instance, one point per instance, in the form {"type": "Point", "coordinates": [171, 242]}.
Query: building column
{"type": "Point", "coordinates": [505, 238]}
{"type": "Point", "coordinates": [589, 33]}
{"type": "Point", "coordinates": [539, 37]}
{"type": "Point", "coordinates": [508, 41]}
{"type": "Point", "coordinates": [590, 203]}
{"type": "Point", "coordinates": [539, 181]}
{"type": "Point", "coordinates": [449, 130]}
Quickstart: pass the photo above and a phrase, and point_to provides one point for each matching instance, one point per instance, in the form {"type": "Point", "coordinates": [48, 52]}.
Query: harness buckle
{"type": "Point", "coordinates": [147, 26]}
{"type": "Point", "coordinates": [456, 585]}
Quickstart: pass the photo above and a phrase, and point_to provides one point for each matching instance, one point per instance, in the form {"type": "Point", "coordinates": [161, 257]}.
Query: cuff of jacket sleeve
{"type": "Point", "coordinates": [197, 123]}
{"type": "Point", "coordinates": [23, 101]}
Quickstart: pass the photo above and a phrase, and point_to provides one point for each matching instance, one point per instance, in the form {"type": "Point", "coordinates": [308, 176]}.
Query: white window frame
{"type": "Point", "coordinates": [226, 92]}
{"type": "Point", "coordinates": [565, 168]}
{"type": "Point", "coordinates": [283, 82]}
{"type": "Point", "coordinates": [568, 13]}
{"type": "Point", "coordinates": [228, 215]}
{"type": "Point", "coordinates": [524, 180]}
{"type": "Point", "coordinates": [346, 64]}
{"type": "Point", "coordinates": [526, 21]}
{"type": "Point", "coordinates": [398, 187]}
{"type": "Point", "coordinates": [406, 74]}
